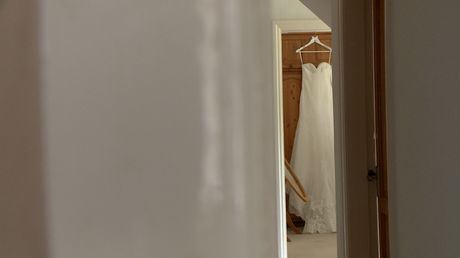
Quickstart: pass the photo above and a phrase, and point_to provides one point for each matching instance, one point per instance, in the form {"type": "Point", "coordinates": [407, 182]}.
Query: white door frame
{"type": "Point", "coordinates": [353, 125]}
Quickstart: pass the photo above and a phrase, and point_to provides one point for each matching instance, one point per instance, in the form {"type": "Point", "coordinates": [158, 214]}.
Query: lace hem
{"type": "Point", "coordinates": [319, 215]}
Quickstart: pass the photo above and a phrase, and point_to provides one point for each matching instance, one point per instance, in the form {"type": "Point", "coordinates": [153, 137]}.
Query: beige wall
{"type": "Point", "coordinates": [291, 10]}
{"type": "Point", "coordinates": [321, 8]}
{"type": "Point", "coordinates": [148, 131]}
{"type": "Point", "coordinates": [423, 105]}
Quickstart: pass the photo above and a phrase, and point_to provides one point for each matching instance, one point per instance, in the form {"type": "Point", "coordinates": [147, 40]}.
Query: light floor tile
{"type": "Point", "coordinates": [312, 245]}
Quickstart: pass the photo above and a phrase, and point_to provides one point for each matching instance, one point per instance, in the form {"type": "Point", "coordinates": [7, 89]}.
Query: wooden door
{"type": "Point", "coordinates": [292, 83]}
{"type": "Point", "coordinates": [380, 126]}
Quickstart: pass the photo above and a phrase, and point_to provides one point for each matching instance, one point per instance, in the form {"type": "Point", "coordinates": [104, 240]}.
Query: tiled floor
{"type": "Point", "coordinates": [312, 245]}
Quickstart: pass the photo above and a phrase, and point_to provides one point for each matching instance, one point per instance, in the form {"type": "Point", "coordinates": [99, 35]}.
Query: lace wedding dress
{"type": "Point", "coordinates": [313, 151]}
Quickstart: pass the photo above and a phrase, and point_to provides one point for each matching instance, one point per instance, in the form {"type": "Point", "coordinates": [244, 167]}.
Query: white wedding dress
{"type": "Point", "coordinates": [313, 151]}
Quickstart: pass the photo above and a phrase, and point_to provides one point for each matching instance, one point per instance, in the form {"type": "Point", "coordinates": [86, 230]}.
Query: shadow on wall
{"type": "Point", "coordinates": [23, 231]}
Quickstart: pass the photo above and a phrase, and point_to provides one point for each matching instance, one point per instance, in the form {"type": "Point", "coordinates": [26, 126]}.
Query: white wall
{"type": "Point", "coordinates": [423, 105]}
{"type": "Point", "coordinates": [156, 130]}
{"type": "Point", "coordinates": [321, 8]}
{"type": "Point", "coordinates": [291, 10]}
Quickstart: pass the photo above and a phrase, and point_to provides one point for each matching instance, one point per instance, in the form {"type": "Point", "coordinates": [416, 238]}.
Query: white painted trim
{"type": "Point", "coordinates": [302, 25]}
{"type": "Point", "coordinates": [279, 136]}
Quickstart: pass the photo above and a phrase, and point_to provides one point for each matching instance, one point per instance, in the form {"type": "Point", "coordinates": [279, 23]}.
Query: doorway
{"type": "Point", "coordinates": [353, 126]}
{"type": "Point", "coordinates": [317, 245]}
